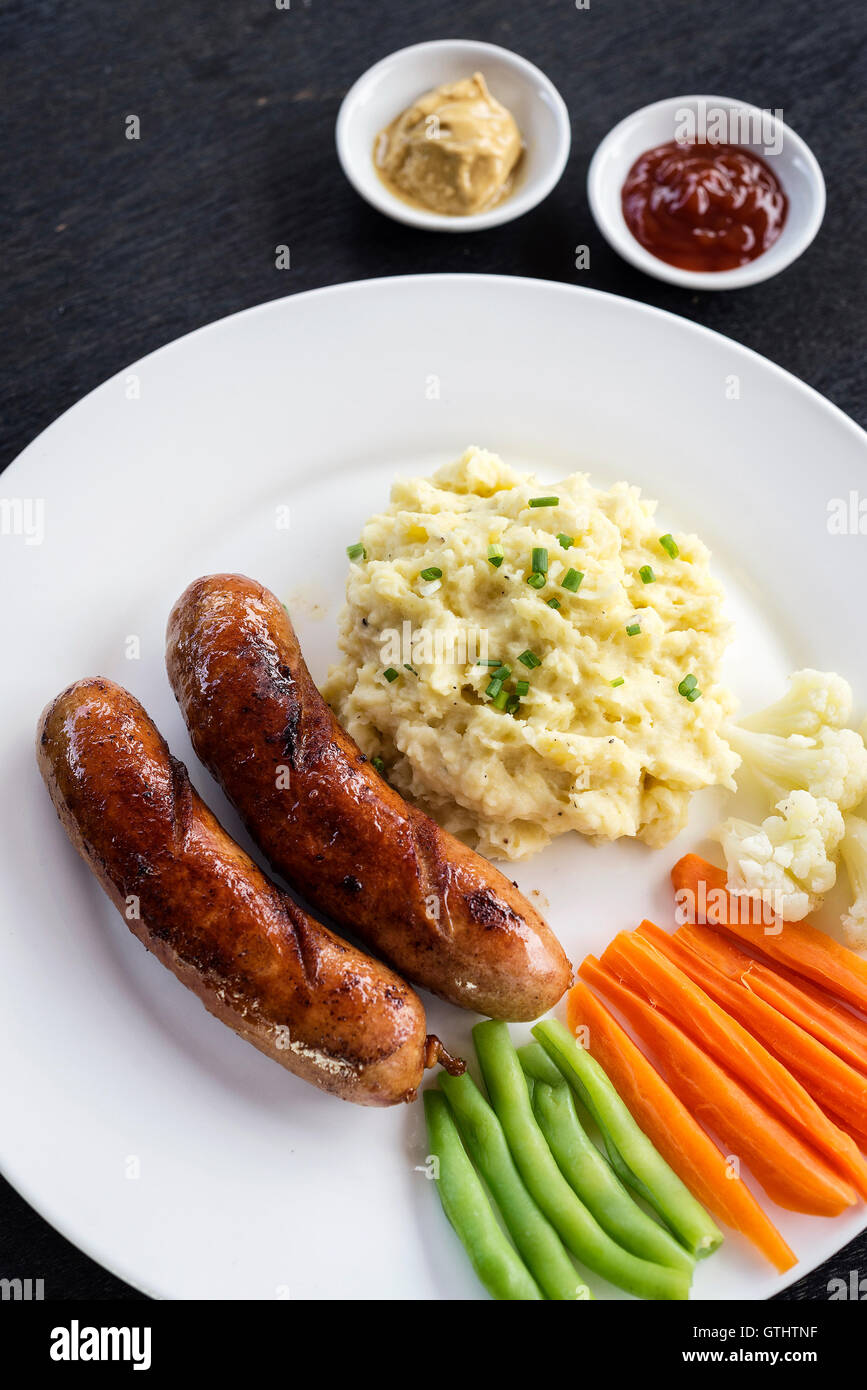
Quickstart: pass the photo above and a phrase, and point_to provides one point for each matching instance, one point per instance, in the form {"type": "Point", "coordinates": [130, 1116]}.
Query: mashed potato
{"type": "Point", "coordinates": [598, 737]}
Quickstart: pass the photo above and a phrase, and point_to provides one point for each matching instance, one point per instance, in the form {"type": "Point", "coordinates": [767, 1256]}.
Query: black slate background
{"type": "Point", "coordinates": [111, 248]}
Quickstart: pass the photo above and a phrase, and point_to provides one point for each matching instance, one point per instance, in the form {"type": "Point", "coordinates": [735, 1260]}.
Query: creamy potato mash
{"type": "Point", "coordinates": [596, 726]}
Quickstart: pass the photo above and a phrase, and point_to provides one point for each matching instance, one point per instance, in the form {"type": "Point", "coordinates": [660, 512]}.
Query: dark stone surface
{"type": "Point", "coordinates": [112, 247]}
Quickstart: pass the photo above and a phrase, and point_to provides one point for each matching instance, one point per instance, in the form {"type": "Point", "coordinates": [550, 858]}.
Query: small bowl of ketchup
{"type": "Point", "coordinates": [706, 192]}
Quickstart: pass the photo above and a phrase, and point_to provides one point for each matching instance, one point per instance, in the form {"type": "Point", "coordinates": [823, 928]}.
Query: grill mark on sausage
{"type": "Point", "coordinates": [489, 911]}
{"type": "Point", "coordinates": [181, 809]}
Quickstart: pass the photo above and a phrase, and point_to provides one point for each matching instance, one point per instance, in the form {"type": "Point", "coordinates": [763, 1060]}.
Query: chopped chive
{"type": "Point", "coordinates": [480, 662]}
{"type": "Point", "coordinates": [496, 555]}
{"type": "Point", "coordinates": [390, 674]}
{"type": "Point", "coordinates": [619, 681]}
{"type": "Point", "coordinates": [540, 560]}
{"type": "Point", "coordinates": [431, 573]}
{"type": "Point", "coordinates": [522, 687]}
{"type": "Point", "coordinates": [647, 574]}
{"type": "Point", "coordinates": [686, 685]}
{"type": "Point", "coordinates": [553, 603]}
{"type": "Point", "coordinates": [572, 581]}
{"type": "Point", "coordinates": [512, 704]}
{"type": "Point", "coordinates": [501, 700]}
{"type": "Point", "coordinates": [544, 502]}
{"type": "Point", "coordinates": [356, 551]}
{"type": "Point", "coordinates": [566, 541]}
{"type": "Point", "coordinates": [494, 687]}
{"type": "Point", "coordinates": [502, 672]}
{"type": "Point", "coordinates": [407, 667]}
{"type": "Point", "coordinates": [633, 629]}
{"type": "Point", "coordinates": [693, 695]}
{"type": "Point", "coordinates": [669, 544]}
{"type": "Point", "coordinates": [529, 659]}
{"type": "Point", "coordinates": [536, 581]}
{"type": "Point", "coordinates": [378, 764]}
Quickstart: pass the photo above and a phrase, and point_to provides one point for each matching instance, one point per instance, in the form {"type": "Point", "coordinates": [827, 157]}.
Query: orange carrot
{"type": "Point", "coordinates": [792, 1174]}
{"type": "Point", "coordinates": [702, 896]}
{"type": "Point", "coordinates": [671, 1128]}
{"type": "Point", "coordinates": [795, 1076]}
{"type": "Point", "coordinates": [825, 1019]}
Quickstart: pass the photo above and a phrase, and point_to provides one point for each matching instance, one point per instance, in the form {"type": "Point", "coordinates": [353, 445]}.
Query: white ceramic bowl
{"type": "Point", "coordinates": [393, 84]}
{"type": "Point", "coordinates": [794, 165]}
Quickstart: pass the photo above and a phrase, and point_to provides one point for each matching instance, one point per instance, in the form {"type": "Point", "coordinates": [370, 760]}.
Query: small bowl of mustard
{"type": "Point", "coordinates": [453, 135]}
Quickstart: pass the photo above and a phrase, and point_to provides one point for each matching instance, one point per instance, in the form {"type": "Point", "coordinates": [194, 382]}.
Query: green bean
{"type": "Point", "coordinates": [542, 1249]}
{"type": "Point", "coordinates": [601, 1191]}
{"type": "Point", "coordinates": [466, 1205]}
{"type": "Point", "coordinates": [632, 1155]}
{"type": "Point", "coordinates": [588, 1173]}
{"type": "Point", "coordinates": [580, 1232]}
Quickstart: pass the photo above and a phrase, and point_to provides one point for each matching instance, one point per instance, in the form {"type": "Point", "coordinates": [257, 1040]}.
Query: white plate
{"type": "Point", "coordinates": [251, 1184]}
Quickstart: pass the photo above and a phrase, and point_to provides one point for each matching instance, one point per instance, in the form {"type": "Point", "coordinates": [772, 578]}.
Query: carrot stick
{"type": "Point", "coordinates": [815, 1076]}
{"type": "Point", "coordinates": [701, 893]}
{"type": "Point", "coordinates": [672, 1130]}
{"type": "Point", "coordinates": [793, 1175]}
{"type": "Point", "coordinates": [811, 1008]}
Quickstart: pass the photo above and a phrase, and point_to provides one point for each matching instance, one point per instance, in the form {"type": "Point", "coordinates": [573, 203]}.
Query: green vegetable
{"type": "Point", "coordinates": [588, 1173]}
{"type": "Point", "coordinates": [647, 575]}
{"type": "Point", "coordinates": [432, 572]}
{"type": "Point", "coordinates": [378, 764]}
{"type": "Point", "coordinates": [522, 687]}
{"type": "Point", "coordinates": [501, 699]}
{"type": "Point", "coordinates": [494, 687]}
{"type": "Point", "coordinates": [540, 560]}
{"type": "Point", "coordinates": [489, 663]}
{"type": "Point", "coordinates": [529, 659]}
{"type": "Point", "coordinates": [582, 1234]}
{"type": "Point", "coordinates": [619, 681]}
{"type": "Point", "coordinates": [356, 551]}
{"type": "Point", "coordinates": [536, 581]}
{"type": "Point", "coordinates": [669, 545]}
{"type": "Point", "coordinates": [566, 541]}
{"type": "Point", "coordinates": [535, 1237]}
{"type": "Point", "coordinates": [631, 1153]}
{"type": "Point", "coordinates": [390, 674]}
{"type": "Point", "coordinates": [497, 1264]}
{"type": "Point", "coordinates": [633, 629]}
{"type": "Point", "coordinates": [686, 685]}
{"type": "Point", "coordinates": [572, 581]}
{"type": "Point", "coordinates": [503, 672]}
{"type": "Point", "coordinates": [408, 667]}
{"type": "Point", "coordinates": [543, 502]}
{"type": "Point", "coordinates": [496, 555]}
{"type": "Point", "coordinates": [553, 603]}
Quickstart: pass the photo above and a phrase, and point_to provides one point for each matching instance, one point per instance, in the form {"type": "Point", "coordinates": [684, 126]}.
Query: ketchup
{"type": "Point", "coordinates": [702, 206]}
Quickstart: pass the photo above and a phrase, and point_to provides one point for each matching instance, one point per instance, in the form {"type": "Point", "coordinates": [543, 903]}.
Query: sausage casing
{"type": "Point", "coordinates": [287, 984]}
{"type": "Point", "coordinates": [347, 841]}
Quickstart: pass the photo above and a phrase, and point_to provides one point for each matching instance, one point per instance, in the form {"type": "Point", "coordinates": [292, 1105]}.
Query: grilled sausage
{"type": "Point", "coordinates": [382, 869]}
{"type": "Point", "coordinates": [288, 985]}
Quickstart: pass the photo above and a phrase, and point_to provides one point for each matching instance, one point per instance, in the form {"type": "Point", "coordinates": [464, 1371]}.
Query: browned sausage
{"type": "Point", "coordinates": [382, 869]}
{"type": "Point", "coordinates": [320, 1008]}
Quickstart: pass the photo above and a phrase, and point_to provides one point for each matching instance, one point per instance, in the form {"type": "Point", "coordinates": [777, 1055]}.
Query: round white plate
{"type": "Point", "coordinates": [144, 1130]}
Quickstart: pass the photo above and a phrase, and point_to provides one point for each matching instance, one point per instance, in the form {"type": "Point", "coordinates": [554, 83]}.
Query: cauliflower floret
{"type": "Point", "coordinates": [833, 765]}
{"type": "Point", "coordinates": [813, 701]}
{"type": "Point", "coordinates": [853, 849]}
{"type": "Point", "coordinates": [786, 861]}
